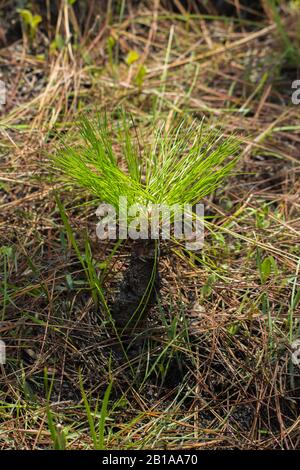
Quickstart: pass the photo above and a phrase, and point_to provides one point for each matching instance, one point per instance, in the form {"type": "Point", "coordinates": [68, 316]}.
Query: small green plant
{"type": "Point", "coordinates": [30, 22]}
{"type": "Point", "coordinates": [178, 167]}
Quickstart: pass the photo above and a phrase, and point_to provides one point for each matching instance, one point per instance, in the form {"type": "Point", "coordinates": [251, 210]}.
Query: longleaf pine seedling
{"type": "Point", "coordinates": [179, 166]}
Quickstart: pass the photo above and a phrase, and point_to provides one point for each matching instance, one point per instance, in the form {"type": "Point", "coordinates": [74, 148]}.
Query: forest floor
{"type": "Point", "coordinates": [214, 368]}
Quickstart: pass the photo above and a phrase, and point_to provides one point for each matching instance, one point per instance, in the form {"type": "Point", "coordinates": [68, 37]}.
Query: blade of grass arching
{"type": "Point", "coordinates": [110, 257]}
{"type": "Point", "coordinates": [103, 415]}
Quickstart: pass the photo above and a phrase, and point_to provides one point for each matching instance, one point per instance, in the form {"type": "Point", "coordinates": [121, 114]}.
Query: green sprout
{"type": "Point", "coordinates": [178, 167]}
